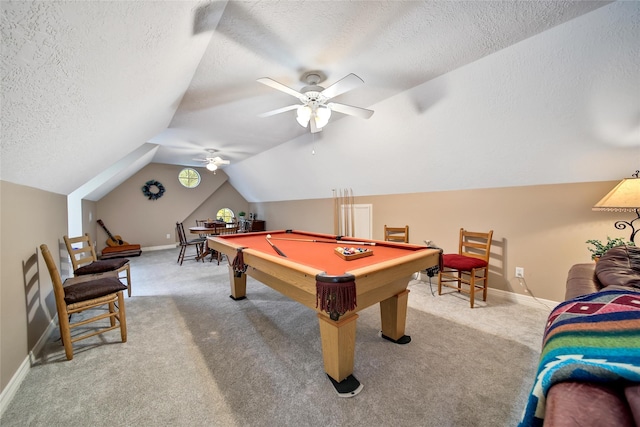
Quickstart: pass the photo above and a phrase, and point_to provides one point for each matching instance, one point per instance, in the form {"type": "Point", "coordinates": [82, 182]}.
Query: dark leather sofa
{"type": "Point", "coordinates": [584, 404]}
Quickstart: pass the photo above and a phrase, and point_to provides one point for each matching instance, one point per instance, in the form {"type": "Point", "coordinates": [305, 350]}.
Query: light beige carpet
{"type": "Point", "coordinates": [195, 357]}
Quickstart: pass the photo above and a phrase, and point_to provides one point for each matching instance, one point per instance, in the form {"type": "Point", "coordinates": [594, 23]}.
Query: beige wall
{"type": "Point", "coordinates": [540, 228]}
{"type": "Point", "coordinates": [30, 217]}
{"type": "Point", "coordinates": [127, 213]}
{"type": "Point", "coordinates": [225, 197]}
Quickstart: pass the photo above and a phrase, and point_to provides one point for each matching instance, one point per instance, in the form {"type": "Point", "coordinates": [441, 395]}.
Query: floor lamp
{"type": "Point", "coordinates": [625, 197]}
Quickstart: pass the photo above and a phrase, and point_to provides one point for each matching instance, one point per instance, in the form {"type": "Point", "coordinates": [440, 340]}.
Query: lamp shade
{"type": "Point", "coordinates": [303, 116]}
{"type": "Point", "coordinates": [625, 197]}
{"type": "Point", "coordinates": [322, 116]}
{"type": "Point", "coordinates": [211, 166]}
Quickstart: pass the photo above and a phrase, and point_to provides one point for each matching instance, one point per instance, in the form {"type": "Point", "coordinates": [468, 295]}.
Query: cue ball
{"type": "Point", "coordinates": [268, 236]}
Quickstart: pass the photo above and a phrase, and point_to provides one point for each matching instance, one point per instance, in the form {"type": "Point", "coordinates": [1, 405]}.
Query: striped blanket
{"type": "Point", "coordinates": [593, 338]}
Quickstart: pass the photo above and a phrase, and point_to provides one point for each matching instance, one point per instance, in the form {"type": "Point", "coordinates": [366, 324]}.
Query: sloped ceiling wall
{"type": "Point", "coordinates": [560, 107]}
{"type": "Point", "coordinates": [547, 95]}
{"type": "Point", "coordinates": [83, 86]}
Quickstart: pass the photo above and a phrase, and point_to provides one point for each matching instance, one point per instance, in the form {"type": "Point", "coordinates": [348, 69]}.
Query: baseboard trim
{"type": "Point", "coordinates": [159, 248]}
{"type": "Point", "coordinates": [14, 384]}
{"type": "Point", "coordinates": [527, 300]}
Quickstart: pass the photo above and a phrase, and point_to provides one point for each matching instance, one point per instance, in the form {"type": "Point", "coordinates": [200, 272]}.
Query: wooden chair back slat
{"type": "Point", "coordinates": [396, 234]}
{"type": "Point", "coordinates": [81, 251]}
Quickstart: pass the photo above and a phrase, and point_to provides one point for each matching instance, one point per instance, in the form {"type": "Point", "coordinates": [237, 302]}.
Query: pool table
{"type": "Point", "coordinates": [307, 267]}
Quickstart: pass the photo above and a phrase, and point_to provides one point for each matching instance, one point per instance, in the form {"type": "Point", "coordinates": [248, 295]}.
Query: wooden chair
{"type": "Point", "coordinates": [470, 266]}
{"type": "Point", "coordinates": [84, 260]}
{"type": "Point", "coordinates": [78, 294]}
{"type": "Point", "coordinates": [185, 243]}
{"type": "Point", "coordinates": [203, 237]}
{"type": "Point", "coordinates": [396, 234]}
{"type": "Point", "coordinates": [229, 229]}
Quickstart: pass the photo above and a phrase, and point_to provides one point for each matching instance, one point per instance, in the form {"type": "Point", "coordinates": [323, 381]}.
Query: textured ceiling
{"type": "Point", "coordinates": [392, 46]}
{"type": "Point", "coordinates": [86, 83]}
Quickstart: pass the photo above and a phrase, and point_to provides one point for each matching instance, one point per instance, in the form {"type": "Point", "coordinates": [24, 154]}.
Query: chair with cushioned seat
{"type": "Point", "coordinates": [82, 293]}
{"type": "Point", "coordinates": [85, 262]}
{"type": "Point", "coordinates": [469, 267]}
{"type": "Point", "coordinates": [396, 234]}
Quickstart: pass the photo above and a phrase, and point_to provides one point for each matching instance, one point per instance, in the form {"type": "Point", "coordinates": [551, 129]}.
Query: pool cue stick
{"type": "Point", "coordinates": [353, 217]}
{"type": "Point", "coordinates": [356, 243]}
{"type": "Point", "coordinates": [351, 232]}
{"type": "Point", "coordinates": [347, 208]}
{"type": "Point", "coordinates": [335, 213]}
{"type": "Point", "coordinates": [346, 211]}
{"type": "Point", "coordinates": [325, 241]}
{"type": "Point", "coordinates": [345, 224]}
{"type": "Point", "coordinates": [339, 211]}
{"type": "Point", "coordinates": [276, 248]}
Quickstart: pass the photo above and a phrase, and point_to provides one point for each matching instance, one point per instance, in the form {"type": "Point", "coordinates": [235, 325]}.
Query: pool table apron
{"type": "Point", "coordinates": [374, 284]}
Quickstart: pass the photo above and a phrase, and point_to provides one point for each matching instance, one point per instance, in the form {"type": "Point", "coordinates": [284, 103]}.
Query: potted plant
{"type": "Point", "coordinates": [241, 214]}
{"type": "Point", "coordinates": [599, 248]}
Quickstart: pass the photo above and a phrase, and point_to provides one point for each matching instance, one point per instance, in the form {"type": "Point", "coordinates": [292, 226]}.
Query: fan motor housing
{"type": "Point", "coordinates": [314, 93]}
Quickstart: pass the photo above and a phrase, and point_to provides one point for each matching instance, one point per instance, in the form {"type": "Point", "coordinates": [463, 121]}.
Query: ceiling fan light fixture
{"type": "Point", "coordinates": [304, 115]}
{"type": "Point", "coordinates": [314, 99]}
{"type": "Point", "coordinates": [211, 166]}
{"type": "Point", "coordinates": [322, 116]}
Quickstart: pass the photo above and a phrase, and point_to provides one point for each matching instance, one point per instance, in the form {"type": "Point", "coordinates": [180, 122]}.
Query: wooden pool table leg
{"type": "Point", "coordinates": [338, 348]}
{"type": "Point", "coordinates": [393, 315]}
{"type": "Point", "coordinates": [238, 284]}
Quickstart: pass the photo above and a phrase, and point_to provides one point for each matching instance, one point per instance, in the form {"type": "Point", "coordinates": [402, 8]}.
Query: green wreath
{"type": "Point", "coordinates": [153, 195]}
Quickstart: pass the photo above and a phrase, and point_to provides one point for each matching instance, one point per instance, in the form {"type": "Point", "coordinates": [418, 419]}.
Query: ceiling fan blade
{"type": "Point", "coordinates": [343, 85]}
{"type": "Point", "coordinates": [279, 86]}
{"type": "Point", "coordinates": [279, 110]}
{"type": "Point", "coordinates": [350, 110]}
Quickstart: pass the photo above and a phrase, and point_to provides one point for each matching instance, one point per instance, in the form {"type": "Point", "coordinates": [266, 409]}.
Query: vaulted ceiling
{"type": "Point", "coordinates": [86, 84]}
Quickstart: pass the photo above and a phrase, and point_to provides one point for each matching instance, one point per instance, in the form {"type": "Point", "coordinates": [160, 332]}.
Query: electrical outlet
{"type": "Point", "coordinates": [519, 272]}
{"type": "Point", "coordinates": [168, 236]}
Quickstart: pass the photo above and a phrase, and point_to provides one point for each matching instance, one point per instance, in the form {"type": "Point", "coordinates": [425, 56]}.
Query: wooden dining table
{"type": "Point", "coordinates": [207, 230]}
{"type": "Point", "coordinates": [210, 231]}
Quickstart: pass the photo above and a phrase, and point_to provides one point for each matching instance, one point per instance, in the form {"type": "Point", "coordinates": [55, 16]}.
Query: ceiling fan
{"type": "Point", "coordinates": [315, 108]}
{"type": "Point", "coordinates": [213, 162]}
